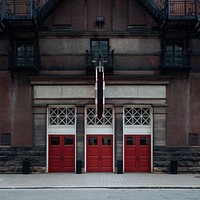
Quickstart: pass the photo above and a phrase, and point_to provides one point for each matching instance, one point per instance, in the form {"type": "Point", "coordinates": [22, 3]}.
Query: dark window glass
{"type": "Point", "coordinates": [193, 139]}
{"type": "Point", "coordinates": [93, 141]}
{"type": "Point", "coordinates": [174, 54]}
{"type": "Point", "coordinates": [55, 141]}
{"type": "Point", "coordinates": [100, 47]}
{"type": "Point", "coordinates": [68, 141]}
{"type": "Point", "coordinates": [106, 141]}
{"type": "Point", "coordinates": [5, 139]}
{"type": "Point", "coordinates": [25, 54]}
{"type": "Point", "coordinates": [130, 141]}
{"type": "Point", "coordinates": [144, 141]}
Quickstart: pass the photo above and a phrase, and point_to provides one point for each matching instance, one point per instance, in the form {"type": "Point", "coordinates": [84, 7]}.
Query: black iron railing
{"type": "Point", "coordinates": [44, 7]}
{"type": "Point", "coordinates": [176, 59]}
{"type": "Point", "coordinates": [0, 7]}
{"type": "Point", "coordinates": [18, 9]}
{"type": "Point", "coordinates": [187, 7]}
{"type": "Point", "coordinates": [171, 8]}
{"type": "Point", "coordinates": [40, 8]}
{"type": "Point", "coordinates": [26, 9]}
{"type": "Point", "coordinates": [179, 7]}
{"type": "Point", "coordinates": [154, 8]}
{"type": "Point", "coordinates": [28, 62]}
{"type": "Point", "coordinates": [107, 60]}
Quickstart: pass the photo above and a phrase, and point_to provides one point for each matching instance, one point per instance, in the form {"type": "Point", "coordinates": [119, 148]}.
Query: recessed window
{"type": "Point", "coordinates": [130, 140]}
{"type": "Point", "coordinates": [68, 141]}
{"type": "Point", "coordinates": [55, 141]}
{"type": "Point", "coordinates": [137, 116]}
{"type": "Point", "coordinates": [25, 54]}
{"type": "Point", "coordinates": [93, 141]}
{"type": "Point", "coordinates": [5, 139]}
{"type": "Point", "coordinates": [193, 139]}
{"type": "Point", "coordinates": [62, 116]}
{"type": "Point", "coordinates": [107, 118]}
{"type": "Point", "coordinates": [106, 141]}
{"type": "Point", "coordinates": [175, 56]}
{"type": "Point", "coordinates": [144, 141]}
{"type": "Point", "coordinates": [99, 50]}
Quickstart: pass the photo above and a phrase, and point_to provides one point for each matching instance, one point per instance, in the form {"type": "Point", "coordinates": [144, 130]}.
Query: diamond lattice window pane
{"type": "Point", "coordinates": [137, 116]}
{"type": "Point", "coordinates": [62, 116]}
{"type": "Point", "coordinates": [92, 119]}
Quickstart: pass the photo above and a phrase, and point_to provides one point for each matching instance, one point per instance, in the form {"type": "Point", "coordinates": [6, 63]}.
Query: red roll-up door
{"type": "Point", "coordinates": [99, 153]}
{"type": "Point", "coordinates": [137, 153]}
{"type": "Point", "coordinates": [61, 153]}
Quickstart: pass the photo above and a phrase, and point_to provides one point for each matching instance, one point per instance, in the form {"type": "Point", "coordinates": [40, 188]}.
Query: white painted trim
{"type": "Point", "coordinates": [99, 133]}
{"type": "Point", "coordinates": [113, 139]}
{"type": "Point", "coordinates": [139, 131]}
{"type": "Point", "coordinates": [100, 130]}
{"type": "Point", "coordinates": [59, 132]}
{"type": "Point", "coordinates": [152, 139]}
{"type": "Point", "coordinates": [62, 130]}
{"type": "Point", "coordinates": [47, 141]}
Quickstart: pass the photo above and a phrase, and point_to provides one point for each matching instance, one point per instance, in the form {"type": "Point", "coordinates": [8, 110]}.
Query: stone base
{"type": "Point", "coordinates": [11, 159]}
{"type": "Point", "coordinates": [188, 159]}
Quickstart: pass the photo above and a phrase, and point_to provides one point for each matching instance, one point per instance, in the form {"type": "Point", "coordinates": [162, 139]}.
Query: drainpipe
{"type": "Point", "coordinates": [3, 10]}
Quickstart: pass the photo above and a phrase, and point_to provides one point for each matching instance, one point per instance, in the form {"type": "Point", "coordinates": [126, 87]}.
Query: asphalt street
{"type": "Point", "coordinates": [99, 194]}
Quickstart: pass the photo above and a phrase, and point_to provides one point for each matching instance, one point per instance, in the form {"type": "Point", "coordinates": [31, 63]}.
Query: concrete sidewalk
{"type": "Point", "coordinates": [99, 180]}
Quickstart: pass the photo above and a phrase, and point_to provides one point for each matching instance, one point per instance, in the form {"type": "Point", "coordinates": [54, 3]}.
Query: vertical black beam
{"type": "Point", "coordinates": [100, 94]}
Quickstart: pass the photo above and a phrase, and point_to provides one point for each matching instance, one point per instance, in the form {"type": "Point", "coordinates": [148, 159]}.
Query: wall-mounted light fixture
{"type": "Point", "coordinates": [100, 21]}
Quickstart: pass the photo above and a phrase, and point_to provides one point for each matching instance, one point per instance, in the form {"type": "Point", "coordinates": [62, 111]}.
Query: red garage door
{"type": "Point", "coordinates": [99, 153]}
{"type": "Point", "coordinates": [61, 153]}
{"type": "Point", "coordinates": [137, 153]}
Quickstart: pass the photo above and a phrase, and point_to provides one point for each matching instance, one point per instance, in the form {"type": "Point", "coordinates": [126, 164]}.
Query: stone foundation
{"type": "Point", "coordinates": [11, 159]}
{"type": "Point", "coordinates": [188, 159]}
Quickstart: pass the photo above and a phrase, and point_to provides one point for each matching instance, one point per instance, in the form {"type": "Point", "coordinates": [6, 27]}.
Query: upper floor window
{"type": "Point", "coordinates": [100, 49]}
{"type": "Point", "coordinates": [25, 54]}
{"type": "Point", "coordinates": [5, 139]}
{"type": "Point", "coordinates": [174, 54]}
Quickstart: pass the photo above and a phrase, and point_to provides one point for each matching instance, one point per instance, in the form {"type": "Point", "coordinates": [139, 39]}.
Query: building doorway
{"type": "Point", "coordinates": [99, 153]}
{"type": "Point", "coordinates": [61, 153]}
{"type": "Point", "coordinates": [61, 139]}
{"type": "Point", "coordinates": [99, 141]}
{"type": "Point", "coordinates": [137, 153]}
{"type": "Point", "coordinates": [137, 139]}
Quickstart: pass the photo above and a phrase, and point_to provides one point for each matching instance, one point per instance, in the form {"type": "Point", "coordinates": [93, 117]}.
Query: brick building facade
{"type": "Point", "coordinates": [149, 50]}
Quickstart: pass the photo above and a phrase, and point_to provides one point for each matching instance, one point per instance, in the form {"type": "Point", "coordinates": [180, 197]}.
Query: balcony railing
{"type": "Point", "coordinates": [92, 60]}
{"type": "Point", "coordinates": [25, 63]}
{"type": "Point", "coordinates": [184, 8]}
{"type": "Point", "coordinates": [24, 9]}
{"type": "Point", "coordinates": [12, 9]}
{"type": "Point", "coordinates": [176, 59]}
{"type": "Point", "coordinates": [177, 8]}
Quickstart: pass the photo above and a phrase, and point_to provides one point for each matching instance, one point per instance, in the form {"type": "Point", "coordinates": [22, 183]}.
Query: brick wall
{"type": "Point", "coordinates": [82, 15]}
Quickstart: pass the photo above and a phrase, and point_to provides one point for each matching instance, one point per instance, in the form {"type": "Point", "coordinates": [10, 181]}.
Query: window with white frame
{"type": "Point", "coordinates": [107, 118]}
{"type": "Point", "coordinates": [62, 116]}
{"type": "Point", "coordinates": [137, 116]}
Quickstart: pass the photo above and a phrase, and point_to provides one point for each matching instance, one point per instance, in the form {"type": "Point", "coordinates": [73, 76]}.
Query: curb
{"type": "Point", "coordinates": [97, 187]}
